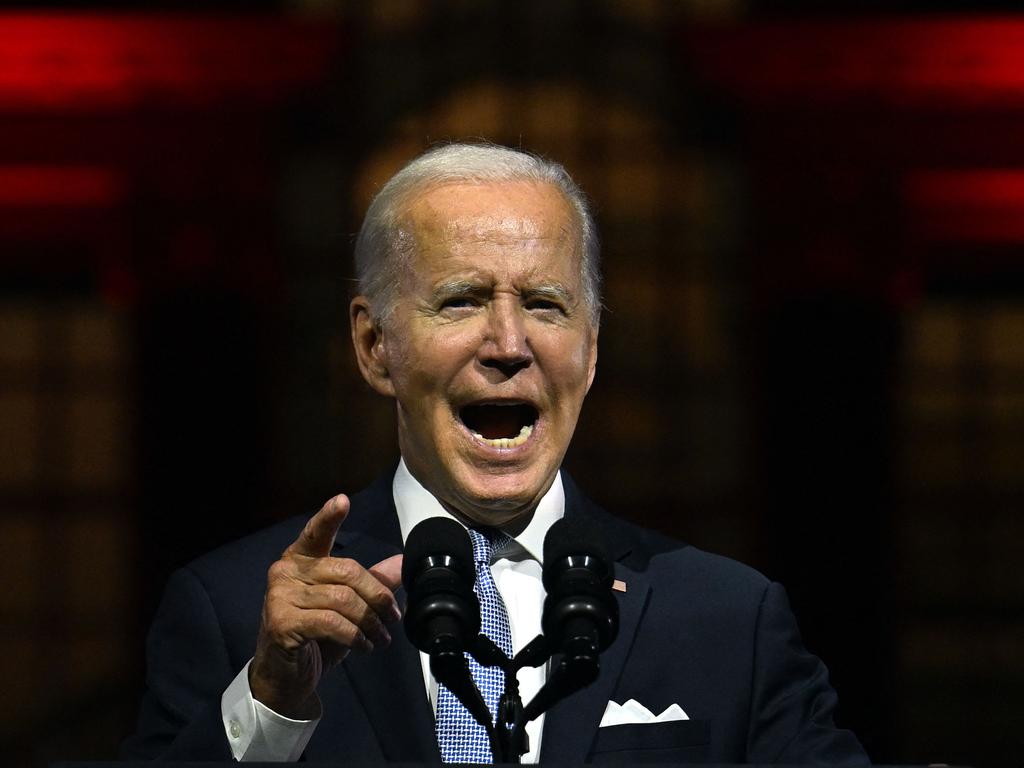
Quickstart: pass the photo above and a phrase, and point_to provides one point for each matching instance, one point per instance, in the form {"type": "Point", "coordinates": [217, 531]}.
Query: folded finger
{"type": "Point", "coordinates": [342, 571]}
{"type": "Point", "coordinates": [330, 626]}
{"type": "Point", "coordinates": [345, 601]}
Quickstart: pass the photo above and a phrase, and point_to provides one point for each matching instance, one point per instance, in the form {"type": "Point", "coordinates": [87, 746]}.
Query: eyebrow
{"type": "Point", "coordinates": [456, 288]}
{"type": "Point", "coordinates": [450, 288]}
{"type": "Point", "coordinates": [551, 291]}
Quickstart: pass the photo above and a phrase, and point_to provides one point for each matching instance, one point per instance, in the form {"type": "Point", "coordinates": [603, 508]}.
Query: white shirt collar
{"type": "Point", "coordinates": [414, 504]}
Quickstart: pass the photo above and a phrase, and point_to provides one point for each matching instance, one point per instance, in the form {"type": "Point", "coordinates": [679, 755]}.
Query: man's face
{"type": "Point", "coordinates": [489, 350]}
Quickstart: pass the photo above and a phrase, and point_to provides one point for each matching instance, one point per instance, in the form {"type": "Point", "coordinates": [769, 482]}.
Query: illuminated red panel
{"type": "Point", "coordinates": [969, 61]}
{"type": "Point", "coordinates": [59, 186]}
{"type": "Point", "coordinates": [63, 61]}
{"type": "Point", "coordinates": [975, 206]}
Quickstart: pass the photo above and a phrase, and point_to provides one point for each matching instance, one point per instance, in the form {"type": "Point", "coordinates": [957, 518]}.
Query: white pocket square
{"type": "Point", "coordinates": [634, 712]}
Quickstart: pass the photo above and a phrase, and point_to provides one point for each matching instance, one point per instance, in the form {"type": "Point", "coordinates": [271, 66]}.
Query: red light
{"type": "Point", "coordinates": [971, 188]}
{"type": "Point", "coordinates": [978, 206]}
{"type": "Point", "coordinates": [49, 186]}
{"type": "Point", "coordinates": [50, 61]}
{"type": "Point", "coordinates": [950, 62]}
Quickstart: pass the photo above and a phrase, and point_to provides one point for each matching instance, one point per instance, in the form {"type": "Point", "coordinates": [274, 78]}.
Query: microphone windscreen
{"type": "Point", "coordinates": [437, 536]}
{"type": "Point", "coordinates": [573, 536]}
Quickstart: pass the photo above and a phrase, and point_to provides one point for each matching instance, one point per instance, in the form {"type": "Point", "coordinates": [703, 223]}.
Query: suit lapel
{"type": "Point", "coordinates": [388, 682]}
{"type": "Point", "coordinates": [389, 685]}
{"type": "Point", "coordinates": [570, 727]}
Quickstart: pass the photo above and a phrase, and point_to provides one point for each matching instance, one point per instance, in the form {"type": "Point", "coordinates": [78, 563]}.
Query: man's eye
{"type": "Point", "coordinates": [459, 302]}
{"type": "Point", "coordinates": [544, 305]}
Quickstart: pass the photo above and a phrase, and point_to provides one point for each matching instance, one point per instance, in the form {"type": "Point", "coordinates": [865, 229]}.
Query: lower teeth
{"type": "Point", "coordinates": [507, 442]}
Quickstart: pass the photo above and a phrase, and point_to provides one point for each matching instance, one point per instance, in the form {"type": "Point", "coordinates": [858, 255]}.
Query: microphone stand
{"type": "Point", "coordinates": [449, 666]}
{"type": "Point", "coordinates": [577, 668]}
{"type": "Point", "coordinates": [507, 731]}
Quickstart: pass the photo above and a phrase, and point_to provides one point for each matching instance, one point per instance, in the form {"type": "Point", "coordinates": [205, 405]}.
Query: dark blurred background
{"type": "Point", "coordinates": [812, 357]}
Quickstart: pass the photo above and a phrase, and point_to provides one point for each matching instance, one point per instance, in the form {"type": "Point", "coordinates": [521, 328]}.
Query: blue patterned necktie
{"type": "Point", "coordinates": [460, 738]}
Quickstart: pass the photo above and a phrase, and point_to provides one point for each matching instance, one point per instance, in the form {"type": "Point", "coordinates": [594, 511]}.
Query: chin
{"type": "Point", "coordinates": [495, 500]}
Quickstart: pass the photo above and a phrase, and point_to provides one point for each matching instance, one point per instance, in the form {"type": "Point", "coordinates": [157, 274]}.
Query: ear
{"type": "Point", "coordinates": [371, 353]}
{"type": "Point", "coordinates": [592, 353]}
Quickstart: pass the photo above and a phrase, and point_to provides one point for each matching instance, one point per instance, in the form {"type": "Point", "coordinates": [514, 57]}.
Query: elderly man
{"type": "Point", "coordinates": [478, 316]}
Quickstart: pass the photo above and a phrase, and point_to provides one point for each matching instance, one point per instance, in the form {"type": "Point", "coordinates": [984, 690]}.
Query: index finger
{"type": "Point", "coordinates": [317, 536]}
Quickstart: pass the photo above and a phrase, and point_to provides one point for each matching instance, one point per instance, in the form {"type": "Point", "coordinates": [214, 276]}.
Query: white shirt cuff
{"type": "Point", "coordinates": [256, 732]}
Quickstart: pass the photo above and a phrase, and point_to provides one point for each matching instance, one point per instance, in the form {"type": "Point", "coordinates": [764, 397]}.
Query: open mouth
{"type": "Point", "coordinates": [501, 425]}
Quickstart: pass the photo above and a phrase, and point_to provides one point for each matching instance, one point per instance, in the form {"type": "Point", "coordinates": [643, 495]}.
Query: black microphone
{"type": "Point", "coordinates": [442, 617]}
{"type": "Point", "coordinates": [581, 615]}
{"type": "Point", "coordinates": [438, 573]}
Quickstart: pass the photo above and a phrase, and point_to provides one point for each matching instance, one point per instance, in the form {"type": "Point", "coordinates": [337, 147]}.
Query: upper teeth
{"type": "Point", "coordinates": [507, 442]}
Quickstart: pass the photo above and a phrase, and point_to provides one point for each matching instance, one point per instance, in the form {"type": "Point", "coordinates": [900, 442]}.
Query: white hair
{"type": "Point", "coordinates": [382, 247]}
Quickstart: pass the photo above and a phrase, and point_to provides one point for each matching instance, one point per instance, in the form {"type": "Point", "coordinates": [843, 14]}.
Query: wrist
{"type": "Point", "coordinates": [295, 702]}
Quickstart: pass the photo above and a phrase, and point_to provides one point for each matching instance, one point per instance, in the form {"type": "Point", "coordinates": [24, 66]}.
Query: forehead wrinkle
{"type": "Point", "coordinates": [444, 237]}
{"type": "Point", "coordinates": [454, 236]}
{"type": "Point", "coordinates": [428, 218]}
{"type": "Point", "coordinates": [459, 256]}
{"type": "Point", "coordinates": [496, 229]}
{"type": "Point", "coordinates": [428, 221]}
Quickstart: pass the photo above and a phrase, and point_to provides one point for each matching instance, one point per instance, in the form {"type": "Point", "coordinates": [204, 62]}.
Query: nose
{"type": "Point", "coordinates": [506, 347]}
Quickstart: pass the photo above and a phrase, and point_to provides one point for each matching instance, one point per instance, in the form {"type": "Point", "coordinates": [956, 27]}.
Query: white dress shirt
{"type": "Point", "coordinates": [257, 733]}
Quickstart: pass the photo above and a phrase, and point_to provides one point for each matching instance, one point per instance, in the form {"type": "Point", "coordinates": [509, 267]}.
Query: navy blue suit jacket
{"type": "Point", "coordinates": [696, 629]}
